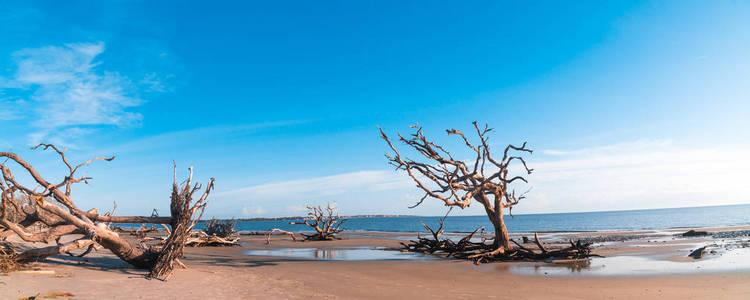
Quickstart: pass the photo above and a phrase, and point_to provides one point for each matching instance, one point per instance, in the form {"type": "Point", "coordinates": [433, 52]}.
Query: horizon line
{"type": "Point", "coordinates": [525, 214]}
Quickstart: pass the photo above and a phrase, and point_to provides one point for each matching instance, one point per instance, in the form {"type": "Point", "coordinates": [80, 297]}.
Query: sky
{"type": "Point", "coordinates": [627, 104]}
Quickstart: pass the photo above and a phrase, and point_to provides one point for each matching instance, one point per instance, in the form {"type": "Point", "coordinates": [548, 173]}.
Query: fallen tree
{"type": "Point", "coordinates": [486, 180]}
{"type": "Point", "coordinates": [51, 207]}
{"type": "Point", "coordinates": [326, 223]}
{"type": "Point", "coordinates": [465, 248]}
{"type": "Point", "coordinates": [269, 233]}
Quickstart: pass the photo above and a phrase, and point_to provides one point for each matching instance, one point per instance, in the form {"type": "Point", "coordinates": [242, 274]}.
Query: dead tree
{"type": "Point", "coordinates": [220, 228]}
{"type": "Point", "coordinates": [326, 223]}
{"type": "Point", "coordinates": [486, 179]}
{"type": "Point", "coordinates": [50, 205]}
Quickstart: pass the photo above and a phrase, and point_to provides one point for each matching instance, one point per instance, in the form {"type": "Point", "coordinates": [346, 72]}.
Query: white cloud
{"type": "Point", "coordinates": [634, 175]}
{"type": "Point", "coordinates": [154, 82]}
{"type": "Point", "coordinates": [253, 211]}
{"type": "Point", "coordinates": [296, 209]}
{"type": "Point", "coordinates": [68, 89]}
{"type": "Point", "coordinates": [359, 182]}
{"type": "Point", "coordinates": [7, 111]}
{"type": "Point", "coordinates": [353, 193]}
{"type": "Point", "coordinates": [639, 175]}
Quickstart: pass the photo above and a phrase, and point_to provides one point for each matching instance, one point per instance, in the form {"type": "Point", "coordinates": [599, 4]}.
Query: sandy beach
{"type": "Point", "coordinates": [230, 273]}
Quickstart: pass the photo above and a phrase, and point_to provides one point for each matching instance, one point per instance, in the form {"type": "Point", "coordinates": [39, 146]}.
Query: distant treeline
{"type": "Point", "coordinates": [301, 217]}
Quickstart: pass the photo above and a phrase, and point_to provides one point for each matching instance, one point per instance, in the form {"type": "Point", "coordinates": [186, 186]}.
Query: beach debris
{"type": "Point", "coordinates": [270, 232]}
{"type": "Point", "coordinates": [143, 231]}
{"type": "Point", "coordinates": [50, 206]}
{"type": "Point", "coordinates": [220, 228]}
{"type": "Point", "coordinates": [730, 234]}
{"type": "Point", "coordinates": [692, 232]}
{"type": "Point", "coordinates": [38, 272]}
{"type": "Point", "coordinates": [485, 179]}
{"type": "Point", "coordinates": [325, 221]}
{"type": "Point", "coordinates": [215, 233]}
{"type": "Point", "coordinates": [483, 252]}
{"type": "Point", "coordinates": [202, 239]}
{"type": "Point", "coordinates": [698, 253]}
{"type": "Point", "coordinates": [53, 295]}
{"type": "Point", "coordinates": [8, 261]}
{"type": "Point", "coordinates": [615, 238]}
{"type": "Point", "coordinates": [218, 237]}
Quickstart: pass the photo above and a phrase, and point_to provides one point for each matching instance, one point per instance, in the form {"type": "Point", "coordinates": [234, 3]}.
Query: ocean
{"type": "Point", "coordinates": [651, 219]}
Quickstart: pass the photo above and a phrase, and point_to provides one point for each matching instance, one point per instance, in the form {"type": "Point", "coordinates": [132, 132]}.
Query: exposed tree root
{"type": "Point", "coordinates": [483, 252]}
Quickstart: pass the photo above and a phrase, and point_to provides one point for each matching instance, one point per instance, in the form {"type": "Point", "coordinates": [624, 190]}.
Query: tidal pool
{"type": "Point", "coordinates": [737, 260]}
{"type": "Point", "coordinates": [341, 254]}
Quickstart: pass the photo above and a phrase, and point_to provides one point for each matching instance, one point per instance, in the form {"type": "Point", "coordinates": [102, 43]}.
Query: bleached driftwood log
{"type": "Point", "coordinates": [51, 205]}
{"type": "Point", "coordinates": [270, 233]}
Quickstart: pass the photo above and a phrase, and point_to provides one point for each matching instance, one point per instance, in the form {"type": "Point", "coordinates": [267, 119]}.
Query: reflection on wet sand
{"type": "Point", "coordinates": [348, 254]}
{"type": "Point", "coordinates": [737, 260]}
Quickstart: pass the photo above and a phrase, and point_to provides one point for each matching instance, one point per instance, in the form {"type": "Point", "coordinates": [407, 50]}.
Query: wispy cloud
{"type": "Point", "coordinates": [253, 211]}
{"type": "Point", "coordinates": [355, 192]}
{"type": "Point", "coordinates": [359, 182]}
{"type": "Point", "coordinates": [184, 137]}
{"type": "Point", "coordinates": [642, 174]}
{"type": "Point", "coordinates": [628, 175]}
{"type": "Point", "coordinates": [67, 90]}
{"type": "Point", "coordinates": [7, 111]}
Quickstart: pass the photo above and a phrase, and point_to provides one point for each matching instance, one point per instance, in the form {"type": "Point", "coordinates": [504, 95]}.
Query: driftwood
{"type": "Point", "coordinates": [50, 206]}
{"type": "Point", "coordinates": [482, 252]}
{"type": "Point", "coordinates": [8, 260]}
{"type": "Point", "coordinates": [326, 223]}
{"type": "Point", "coordinates": [201, 239]}
{"type": "Point", "coordinates": [691, 233]}
{"type": "Point", "coordinates": [698, 253]}
{"type": "Point", "coordinates": [195, 239]}
{"type": "Point", "coordinates": [220, 228]}
{"type": "Point", "coordinates": [270, 232]}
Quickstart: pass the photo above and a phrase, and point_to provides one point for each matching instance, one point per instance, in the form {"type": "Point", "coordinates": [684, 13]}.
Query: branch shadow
{"type": "Point", "coordinates": [97, 263]}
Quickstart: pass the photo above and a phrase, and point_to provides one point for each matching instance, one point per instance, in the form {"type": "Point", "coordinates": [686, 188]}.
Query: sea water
{"type": "Point", "coordinates": [691, 217]}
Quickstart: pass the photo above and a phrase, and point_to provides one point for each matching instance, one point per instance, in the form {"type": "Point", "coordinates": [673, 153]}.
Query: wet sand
{"type": "Point", "coordinates": [228, 273]}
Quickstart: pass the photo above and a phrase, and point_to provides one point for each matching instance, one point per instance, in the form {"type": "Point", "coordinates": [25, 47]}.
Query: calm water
{"type": "Point", "coordinates": [590, 221]}
{"type": "Point", "coordinates": [351, 253]}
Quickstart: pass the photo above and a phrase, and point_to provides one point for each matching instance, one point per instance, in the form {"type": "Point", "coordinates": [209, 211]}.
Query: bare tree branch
{"type": "Point", "coordinates": [455, 182]}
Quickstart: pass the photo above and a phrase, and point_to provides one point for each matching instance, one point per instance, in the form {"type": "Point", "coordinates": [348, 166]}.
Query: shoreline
{"type": "Point", "coordinates": [227, 272]}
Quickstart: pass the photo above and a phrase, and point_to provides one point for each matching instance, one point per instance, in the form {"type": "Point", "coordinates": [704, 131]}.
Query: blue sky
{"type": "Point", "coordinates": [629, 104]}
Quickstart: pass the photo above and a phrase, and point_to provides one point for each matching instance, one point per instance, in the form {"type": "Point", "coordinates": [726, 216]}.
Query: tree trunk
{"type": "Point", "coordinates": [134, 255]}
{"type": "Point", "coordinates": [502, 238]}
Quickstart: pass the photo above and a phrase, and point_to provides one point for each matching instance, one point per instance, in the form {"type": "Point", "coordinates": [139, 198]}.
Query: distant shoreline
{"type": "Point", "coordinates": [427, 216]}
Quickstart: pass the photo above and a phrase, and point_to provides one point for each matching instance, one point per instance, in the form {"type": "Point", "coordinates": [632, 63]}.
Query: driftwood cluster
{"type": "Point", "coordinates": [465, 248]}
{"type": "Point", "coordinates": [202, 238]}
{"type": "Point", "coordinates": [215, 233]}
{"type": "Point", "coordinates": [325, 221]}
{"type": "Point", "coordinates": [45, 212]}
